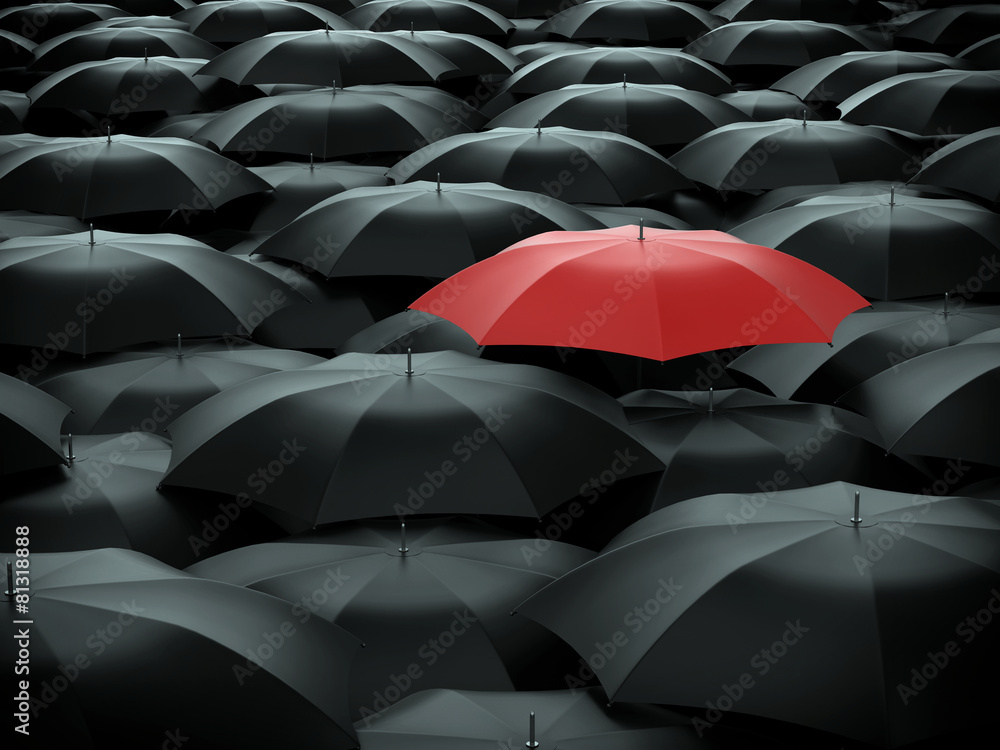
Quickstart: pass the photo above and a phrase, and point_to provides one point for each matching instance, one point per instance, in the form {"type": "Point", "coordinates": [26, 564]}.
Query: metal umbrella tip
{"type": "Point", "coordinates": [857, 507]}
{"type": "Point", "coordinates": [10, 580]}
{"type": "Point", "coordinates": [180, 352]}
{"type": "Point", "coordinates": [538, 125]}
{"type": "Point", "coordinates": [70, 457]}
{"type": "Point", "coordinates": [109, 134]}
{"type": "Point", "coordinates": [711, 400]}
{"type": "Point", "coordinates": [92, 234]}
{"type": "Point", "coordinates": [892, 195]}
{"type": "Point", "coordinates": [439, 182]}
{"type": "Point", "coordinates": [642, 234]}
{"type": "Point", "coordinates": [803, 118]}
{"type": "Point", "coordinates": [312, 165]}
{"type": "Point", "coordinates": [403, 549]}
{"type": "Point", "coordinates": [532, 742]}
{"type": "Point", "coordinates": [409, 361]}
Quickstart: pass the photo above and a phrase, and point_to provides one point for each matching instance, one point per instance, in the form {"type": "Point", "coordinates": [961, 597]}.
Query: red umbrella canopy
{"type": "Point", "coordinates": [653, 293]}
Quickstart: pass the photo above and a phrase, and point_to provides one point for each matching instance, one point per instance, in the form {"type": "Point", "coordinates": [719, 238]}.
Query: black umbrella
{"type": "Point", "coordinates": [532, 9]}
{"type": "Point", "coordinates": [833, 79]}
{"type": "Point", "coordinates": [948, 30]}
{"type": "Point", "coordinates": [984, 53]}
{"type": "Point", "coordinates": [411, 330]}
{"type": "Point", "coordinates": [233, 22]}
{"type": "Point", "coordinates": [299, 186]}
{"type": "Point", "coordinates": [112, 392]}
{"type": "Point", "coordinates": [30, 422]}
{"type": "Point", "coordinates": [90, 293]}
{"type": "Point", "coordinates": [885, 247]}
{"type": "Point", "coordinates": [13, 110]}
{"type": "Point", "coordinates": [88, 177]}
{"type": "Point", "coordinates": [458, 434]}
{"type": "Point", "coordinates": [798, 606]}
{"type": "Point", "coordinates": [102, 44]}
{"type": "Point", "coordinates": [420, 228]}
{"type": "Point", "coordinates": [106, 495]}
{"type": "Point", "coordinates": [570, 165]}
{"type": "Point", "coordinates": [138, 22]}
{"type": "Point", "coordinates": [635, 20]}
{"type": "Point", "coordinates": [755, 156]}
{"type": "Point", "coordinates": [31, 224]}
{"type": "Point", "coordinates": [942, 101]}
{"type": "Point", "coordinates": [938, 404]}
{"type": "Point", "coordinates": [568, 719]}
{"type": "Point", "coordinates": [455, 16]}
{"type": "Point", "coordinates": [770, 49]}
{"type": "Point", "coordinates": [965, 164]}
{"type": "Point", "coordinates": [431, 600]}
{"type": "Point", "coordinates": [16, 51]}
{"type": "Point", "coordinates": [471, 55]}
{"type": "Point", "coordinates": [322, 57]}
{"type": "Point", "coordinates": [619, 216]}
{"type": "Point", "coordinates": [827, 11]}
{"type": "Point", "coordinates": [768, 105]}
{"type": "Point", "coordinates": [40, 22]}
{"type": "Point", "coordinates": [657, 115]}
{"type": "Point", "coordinates": [123, 85]}
{"type": "Point", "coordinates": [537, 50]}
{"type": "Point", "coordinates": [124, 649]}
{"type": "Point", "coordinates": [866, 343]}
{"type": "Point", "coordinates": [763, 442]}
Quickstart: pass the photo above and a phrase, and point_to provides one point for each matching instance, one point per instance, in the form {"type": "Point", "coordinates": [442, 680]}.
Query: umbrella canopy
{"type": "Point", "coordinates": [30, 224]}
{"type": "Point", "coordinates": [738, 597]}
{"type": "Point", "coordinates": [459, 434]}
{"type": "Point", "coordinates": [105, 616]}
{"type": "Point", "coordinates": [13, 110]}
{"type": "Point", "coordinates": [87, 177]}
{"type": "Point", "coordinates": [658, 294]}
{"type": "Point", "coordinates": [85, 45]}
{"type": "Point", "coordinates": [411, 329]}
{"type": "Point", "coordinates": [760, 440]}
{"type": "Point", "coordinates": [447, 227]}
{"type": "Point", "coordinates": [771, 48]}
{"type": "Point", "coordinates": [768, 105]}
{"type": "Point", "coordinates": [40, 22]}
{"type": "Point", "coordinates": [17, 51]}
{"type": "Point", "coordinates": [570, 719]}
{"type": "Point", "coordinates": [532, 9]}
{"type": "Point", "coordinates": [139, 22]}
{"type": "Point", "coordinates": [938, 404]}
{"type": "Point", "coordinates": [538, 50]}
{"type": "Point", "coordinates": [868, 342]}
{"type": "Point", "coordinates": [619, 216]}
{"type": "Point", "coordinates": [95, 293]}
{"type": "Point", "coordinates": [112, 392]}
{"type": "Point", "coordinates": [441, 15]}
{"type": "Point", "coordinates": [965, 165]}
{"type": "Point", "coordinates": [331, 122]}
{"type": "Point", "coordinates": [455, 577]}
{"type": "Point", "coordinates": [107, 495]}
{"type": "Point", "coordinates": [471, 55]}
{"type": "Point", "coordinates": [658, 115]}
{"type": "Point", "coordinates": [833, 79]}
{"type": "Point", "coordinates": [827, 11]}
{"type": "Point", "coordinates": [639, 20]}
{"type": "Point", "coordinates": [949, 29]}
{"type": "Point", "coordinates": [30, 422]}
{"type": "Point", "coordinates": [930, 103]}
{"type": "Point", "coordinates": [761, 156]}
{"type": "Point", "coordinates": [299, 187]}
{"type": "Point", "coordinates": [885, 247]}
{"type": "Point", "coordinates": [576, 166]}
{"type": "Point", "coordinates": [123, 85]}
{"type": "Point", "coordinates": [232, 21]}
{"type": "Point", "coordinates": [984, 53]}
{"type": "Point", "coordinates": [322, 57]}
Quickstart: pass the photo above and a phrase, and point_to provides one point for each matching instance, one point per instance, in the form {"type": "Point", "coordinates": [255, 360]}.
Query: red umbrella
{"type": "Point", "coordinates": [654, 293]}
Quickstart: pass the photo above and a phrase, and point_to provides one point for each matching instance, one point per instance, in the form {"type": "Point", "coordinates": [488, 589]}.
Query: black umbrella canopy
{"type": "Point", "coordinates": [420, 228]}
{"type": "Point", "coordinates": [984, 53]}
{"type": "Point", "coordinates": [140, 22]}
{"type": "Point", "coordinates": [827, 11]}
{"type": "Point", "coordinates": [112, 392]}
{"type": "Point", "coordinates": [110, 627]}
{"type": "Point", "coordinates": [570, 719]}
{"type": "Point", "coordinates": [431, 601]}
{"type": "Point", "coordinates": [736, 602]}
{"type": "Point", "coordinates": [106, 495]}
{"type": "Point", "coordinates": [40, 22]}
{"type": "Point", "coordinates": [459, 434]}
{"type": "Point", "coordinates": [299, 186]}
{"type": "Point", "coordinates": [90, 177]}
{"type": "Point", "coordinates": [470, 54]}
{"type": "Point", "coordinates": [575, 166]}
{"type": "Point", "coordinates": [529, 52]}
{"type": "Point", "coordinates": [232, 22]}
{"type": "Point", "coordinates": [885, 247]}
{"type": "Point", "coordinates": [13, 110]}
{"type": "Point", "coordinates": [769, 105]}
{"type": "Point", "coordinates": [965, 164]}
{"type": "Point", "coordinates": [322, 57]}
{"type": "Point", "coordinates": [763, 442]}
{"type": "Point", "coordinates": [866, 343]}
{"type": "Point", "coordinates": [634, 20]}
{"type": "Point", "coordinates": [442, 15]}
{"type": "Point", "coordinates": [331, 122]}
{"type": "Point", "coordinates": [833, 79]}
{"type": "Point", "coordinates": [929, 103]}
{"type": "Point", "coordinates": [762, 156]}
{"type": "Point", "coordinates": [110, 86]}
{"type": "Point", "coordinates": [938, 404]}
{"type": "Point", "coordinates": [86, 45]}
{"type": "Point", "coordinates": [86, 293]}
{"type": "Point", "coordinates": [948, 30]}
{"type": "Point", "coordinates": [657, 115]}
{"type": "Point", "coordinates": [532, 9]}
{"type": "Point", "coordinates": [31, 224]}
{"type": "Point", "coordinates": [30, 421]}
{"type": "Point", "coordinates": [16, 51]}
{"type": "Point", "coordinates": [411, 330]}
